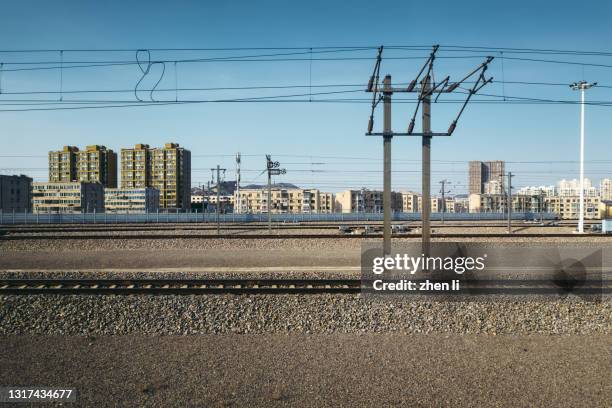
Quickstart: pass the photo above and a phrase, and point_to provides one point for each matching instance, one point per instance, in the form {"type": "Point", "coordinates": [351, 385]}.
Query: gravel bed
{"type": "Point", "coordinates": [192, 314]}
{"type": "Point", "coordinates": [263, 244]}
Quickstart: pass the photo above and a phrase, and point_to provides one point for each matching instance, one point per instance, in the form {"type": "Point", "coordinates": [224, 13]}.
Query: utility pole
{"type": "Point", "coordinates": [237, 202]}
{"type": "Point", "coordinates": [218, 169]}
{"type": "Point", "coordinates": [443, 192]}
{"type": "Point", "coordinates": [509, 202]}
{"type": "Point", "coordinates": [582, 85]}
{"type": "Point", "coordinates": [425, 91]}
{"type": "Point", "coordinates": [272, 167]}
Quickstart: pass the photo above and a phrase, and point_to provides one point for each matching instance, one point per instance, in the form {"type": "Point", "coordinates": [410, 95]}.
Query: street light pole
{"type": "Point", "coordinates": [582, 85]}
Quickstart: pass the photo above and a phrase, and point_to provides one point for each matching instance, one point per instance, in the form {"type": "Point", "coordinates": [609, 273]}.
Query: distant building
{"type": "Point", "coordinates": [540, 190]}
{"type": "Point", "coordinates": [15, 193]}
{"type": "Point", "coordinates": [71, 197]}
{"type": "Point", "coordinates": [482, 173]}
{"type": "Point", "coordinates": [293, 200]}
{"type": "Point", "coordinates": [568, 188]}
{"type": "Point", "coordinates": [131, 200]}
{"type": "Point", "coordinates": [568, 207]}
{"type": "Point", "coordinates": [167, 169]}
{"type": "Point", "coordinates": [605, 189]}
{"type": "Point", "coordinates": [410, 202]}
{"type": "Point", "coordinates": [364, 200]}
{"type": "Point", "coordinates": [95, 164]}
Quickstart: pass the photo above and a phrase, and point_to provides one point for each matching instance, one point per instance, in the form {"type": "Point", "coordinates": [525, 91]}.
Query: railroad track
{"type": "Point", "coordinates": [281, 286]}
{"type": "Point", "coordinates": [18, 237]}
{"type": "Point", "coordinates": [174, 286]}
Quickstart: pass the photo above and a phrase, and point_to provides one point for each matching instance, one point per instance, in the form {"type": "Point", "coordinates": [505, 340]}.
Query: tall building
{"type": "Point", "coordinates": [97, 164]}
{"type": "Point", "coordinates": [168, 169]}
{"type": "Point", "coordinates": [63, 165]}
{"type": "Point", "coordinates": [483, 173]}
{"type": "Point", "coordinates": [136, 167]}
{"type": "Point", "coordinates": [15, 193]}
{"type": "Point", "coordinates": [67, 197]}
{"type": "Point", "coordinates": [568, 188]}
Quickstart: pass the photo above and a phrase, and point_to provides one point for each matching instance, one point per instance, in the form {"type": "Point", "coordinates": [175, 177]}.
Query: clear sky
{"type": "Point", "coordinates": [320, 144]}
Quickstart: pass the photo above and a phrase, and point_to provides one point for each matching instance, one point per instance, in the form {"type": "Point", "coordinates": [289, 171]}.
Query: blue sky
{"type": "Point", "coordinates": [326, 137]}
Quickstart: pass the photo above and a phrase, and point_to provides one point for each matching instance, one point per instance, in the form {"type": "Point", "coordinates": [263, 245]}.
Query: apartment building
{"type": "Point", "coordinates": [97, 164]}
{"type": "Point", "coordinates": [605, 189]}
{"type": "Point", "coordinates": [483, 173]}
{"type": "Point", "coordinates": [168, 169]}
{"type": "Point", "coordinates": [131, 200]}
{"type": "Point", "coordinates": [568, 207]}
{"type": "Point", "coordinates": [63, 165]}
{"type": "Point", "coordinates": [410, 202]}
{"type": "Point", "coordinates": [570, 188]}
{"type": "Point", "coordinates": [364, 200]}
{"type": "Point", "coordinates": [15, 193]}
{"type": "Point", "coordinates": [284, 201]}
{"type": "Point", "coordinates": [434, 207]}
{"type": "Point", "coordinates": [136, 167]}
{"type": "Point", "coordinates": [70, 197]}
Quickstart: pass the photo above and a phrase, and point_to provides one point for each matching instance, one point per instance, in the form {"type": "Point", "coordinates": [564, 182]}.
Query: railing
{"type": "Point", "coordinates": [166, 217]}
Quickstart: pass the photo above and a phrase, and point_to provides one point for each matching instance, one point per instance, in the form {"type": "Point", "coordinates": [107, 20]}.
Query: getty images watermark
{"type": "Point", "coordinates": [455, 270]}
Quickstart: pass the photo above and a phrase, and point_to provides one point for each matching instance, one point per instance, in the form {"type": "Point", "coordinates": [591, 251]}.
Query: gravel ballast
{"type": "Point", "coordinates": [193, 314]}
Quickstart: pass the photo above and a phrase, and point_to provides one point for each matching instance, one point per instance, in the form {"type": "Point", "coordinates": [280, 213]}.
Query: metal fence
{"type": "Point", "coordinates": [113, 218]}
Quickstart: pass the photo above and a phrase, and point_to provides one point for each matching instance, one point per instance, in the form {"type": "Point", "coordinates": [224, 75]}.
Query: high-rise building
{"type": "Point", "coordinates": [171, 175]}
{"type": "Point", "coordinates": [168, 169]}
{"type": "Point", "coordinates": [97, 164]}
{"type": "Point", "coordinates": [483, 173]}
{"type": "Point", "coordinates": [136, 167]}
{"type": "Point", "coordinates": [63, 165]}
{"type": "Point", "coordinates": [15, 193]}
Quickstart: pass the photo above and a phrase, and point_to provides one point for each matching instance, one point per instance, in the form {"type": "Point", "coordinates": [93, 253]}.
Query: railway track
{"type": "Point", "coordinates": [174, 286]}
{"type": "Point", "coordinates": [19, 237]}
{"type": "Point", "coordinates": [278, 286]}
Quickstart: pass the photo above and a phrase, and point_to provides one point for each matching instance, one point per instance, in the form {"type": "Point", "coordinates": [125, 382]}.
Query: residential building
{"type": "Point", "coordinates": [568, 207]}
{"type": "Point", "coordinates": [605, 209]}
{"type": "Point", "coordinates": [168, 169]}
{"type": "Point", "coordinates": [569, 188]}
{"type": "Point", "coordinates": [481, 173]}
{"type": "Point", "coordinates": [15, 193]}
{"type": "Point", "coordinates": [284, 201]}
{"type": "Point", "coordinates": [171, 175]}
{"type": "Point", "coordinates": [63, 165]}
{"type": "Point", "coordinates": [131, 200]}
{"type": "Point", "coordinates": [434, 207]}
{"type": "Point", "coordinates": [539, 190]}
{"type": "Point", "coordinates": [410, 202]}
{"type": "Point", "coordinates": [364, 200]}
{"type": "Point", "coordinates": [97, 164]}
{"type": "Point", "coordinates": [605, 189]}
{"type": "Point", "coordinates": [67, 197]}
{"type": "Point", "coordinates": [136, 167]}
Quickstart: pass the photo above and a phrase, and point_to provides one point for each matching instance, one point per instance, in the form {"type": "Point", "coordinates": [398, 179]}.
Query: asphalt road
{"type": "Point", "coordinates": [340, 370]}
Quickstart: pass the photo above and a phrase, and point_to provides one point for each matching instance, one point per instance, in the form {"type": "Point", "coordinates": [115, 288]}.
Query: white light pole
{"type": "Point", "coordinates": [582, 85]}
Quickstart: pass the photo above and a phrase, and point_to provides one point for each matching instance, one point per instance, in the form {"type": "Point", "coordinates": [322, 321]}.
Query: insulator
{"type": "Point", "coordinates": [452, 127]}
{"type": "Point", "coordinates": [452, 87]}
{"type": "Point", "coordinates": [412, 85]}
{"type": "Point", "coordinates": [411, 127]}
{"type": "Point", "coordinates": [370, 125]}
{"type": "Point", "coordinates": [371, 84]}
